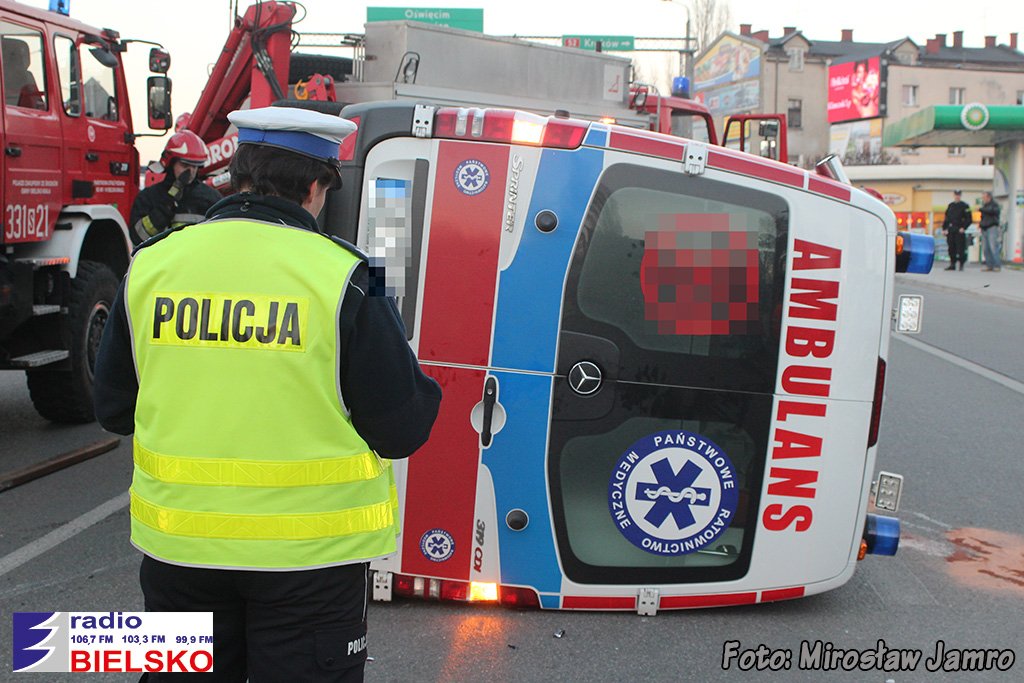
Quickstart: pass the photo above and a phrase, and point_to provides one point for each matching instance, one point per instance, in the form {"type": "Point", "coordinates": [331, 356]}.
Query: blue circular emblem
{"type": "Point", "coordinates": [472, 177]}
{"type": "Point", "coordinates": [673, 493]}
{"type": "Point", "coordinates": [437, 545]}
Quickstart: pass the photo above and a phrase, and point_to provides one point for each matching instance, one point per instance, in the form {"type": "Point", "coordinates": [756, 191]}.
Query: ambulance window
{"type": "Point", "coordinates": [23, 66]}
{"type": "Point", "coordinates": [686, 125]}
{"type": "Point", "coordinates": [683, 274]}
{"type": "Point", "coordinates": [66, 53]}
{"type": "Point", "coordinates": [100, 83]}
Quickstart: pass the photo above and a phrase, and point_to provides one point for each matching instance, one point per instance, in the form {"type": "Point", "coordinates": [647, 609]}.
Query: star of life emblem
{"type": "Point", "coordinates": [437, 545]}
{"type": "Point", "coordinates": [472, 177]}
{"type": "Point", "coordinates": [673, 493]}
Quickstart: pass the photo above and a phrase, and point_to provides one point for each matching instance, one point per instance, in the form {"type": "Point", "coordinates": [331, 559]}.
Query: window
{"type": "Point", "coordinates": [23, 66]}
{"type": "Point", "coordinates": [686, 125]}
{"type": "Point", "coordinates": [66, 55]}
{"type": "Point", "coordinates": [956, 151]}
{"type": "Point", "coordinates": [912, 151]}
{"type": "Point", "coordinates": [1020, 97]}
{"type": "Point", "coordinates": [910, 95]}
{"type": "Point", "coordinates": [956, 95]}
{"type": "Point", "coordinates": [988, 161]}
{"type": "Point", "coordinates": [796, 59]}
{"type": "Point", "coordinates": [99, 83]}
{"type": "Point", "coordinates": [794, 113]}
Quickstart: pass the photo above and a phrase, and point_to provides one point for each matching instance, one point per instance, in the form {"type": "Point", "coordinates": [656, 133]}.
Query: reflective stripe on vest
{"type": "Point", "coordinates": [360, 520]}
{"type": "Point", "coordinates": [245, 455]}
{"type": "Point", "coordinates": [282, 474]}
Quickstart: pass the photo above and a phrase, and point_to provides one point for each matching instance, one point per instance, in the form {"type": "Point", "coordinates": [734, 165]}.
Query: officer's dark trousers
{"type": "Point", "coordinates": [269, 627]}
{"type": "Point", "coordinates": [957, 243]}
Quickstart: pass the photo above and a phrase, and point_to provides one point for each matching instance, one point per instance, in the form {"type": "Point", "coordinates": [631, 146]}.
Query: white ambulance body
{"type": "Point", "coordinates": [662, 361]}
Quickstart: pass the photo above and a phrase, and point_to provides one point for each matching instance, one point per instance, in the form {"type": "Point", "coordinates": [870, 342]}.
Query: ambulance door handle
{"type": "Point", "coordinates": [92, 156]}
{"type": "Point", "coordinates": [488, 416]}
{"type": "Point", "coordinates": [490, 397]}
{"type": "Point", "coordinates": [12, 151]}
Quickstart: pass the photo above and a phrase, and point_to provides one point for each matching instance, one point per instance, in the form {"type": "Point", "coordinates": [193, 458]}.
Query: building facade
{"type": "Point", "coordinates": [839, 95]}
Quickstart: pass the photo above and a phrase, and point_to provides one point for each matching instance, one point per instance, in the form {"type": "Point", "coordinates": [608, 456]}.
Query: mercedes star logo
{"type": "Point", "coordinates": [585, 378]}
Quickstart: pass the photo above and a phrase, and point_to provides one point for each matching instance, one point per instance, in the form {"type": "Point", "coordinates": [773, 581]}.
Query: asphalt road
{"type": "Point", "coordinates": [959, 575]}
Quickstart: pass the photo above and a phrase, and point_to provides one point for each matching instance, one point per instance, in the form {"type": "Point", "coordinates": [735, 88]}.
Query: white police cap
{"type": "Point", "coordinates": [303, 131]}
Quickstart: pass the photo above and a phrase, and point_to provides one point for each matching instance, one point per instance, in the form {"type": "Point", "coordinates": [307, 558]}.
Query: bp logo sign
{"type": "Point", "coordinates": [974, 116]}
{"type": "Point", "coordinates": [673, 493]}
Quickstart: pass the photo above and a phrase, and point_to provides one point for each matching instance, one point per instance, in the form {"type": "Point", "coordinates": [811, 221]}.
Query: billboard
{"type": "Point", "coordinates": [856, 90]}
{"type": "Point", "coordinates": [857, 142]}
{"type": "Point", "coordinates": [727, 78]}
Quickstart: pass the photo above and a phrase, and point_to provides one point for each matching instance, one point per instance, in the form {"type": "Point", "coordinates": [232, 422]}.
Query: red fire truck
{"type": "Point", "coordinates": [69, 176]}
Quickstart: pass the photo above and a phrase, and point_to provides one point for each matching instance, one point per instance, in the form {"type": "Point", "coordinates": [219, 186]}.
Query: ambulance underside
{"type": "Point", "coordinates": [658, 358]}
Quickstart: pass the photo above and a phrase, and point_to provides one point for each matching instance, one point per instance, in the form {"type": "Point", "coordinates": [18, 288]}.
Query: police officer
{"type": "Point", "coordinates": [958, 219]}
{"type": "Point", "coordinates": [270, 385]}
{"type": "Point", "coordinates": [180, 198]}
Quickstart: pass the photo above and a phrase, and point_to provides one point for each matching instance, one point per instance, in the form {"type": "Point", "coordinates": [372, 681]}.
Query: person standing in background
{"type": "Point", "coordinates": [958, 219]}
{"type": "Point", "coordinates": [989, 225]}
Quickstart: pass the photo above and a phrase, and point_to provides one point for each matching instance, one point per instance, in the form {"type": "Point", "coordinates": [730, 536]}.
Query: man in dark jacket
{"type": "Point", "coordinates": [989, 225]}
{"type": "Point", "coordinates": [958, 219]}
{"type": "Point", "coordinates": [180, 198]}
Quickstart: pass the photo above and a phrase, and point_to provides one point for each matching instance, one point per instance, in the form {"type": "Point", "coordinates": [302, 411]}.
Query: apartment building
{"type": "Point", "coordinates": [839, 94]}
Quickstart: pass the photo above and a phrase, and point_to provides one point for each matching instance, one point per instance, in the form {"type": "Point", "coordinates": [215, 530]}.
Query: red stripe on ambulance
{"type": "Point", "coordinates": [465, 236]}
{"type": "Point", "coordinates": [646, 144]}
{"type": "Point", "coordinates": [793, 467]}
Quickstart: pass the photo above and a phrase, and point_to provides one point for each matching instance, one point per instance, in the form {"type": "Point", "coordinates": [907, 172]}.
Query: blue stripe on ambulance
{"type": "Point", "coordinates": [525, 338]}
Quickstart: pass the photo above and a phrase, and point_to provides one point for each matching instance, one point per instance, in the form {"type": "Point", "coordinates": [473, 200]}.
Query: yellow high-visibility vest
{"type": "Point", "coordinates": [245, 455]}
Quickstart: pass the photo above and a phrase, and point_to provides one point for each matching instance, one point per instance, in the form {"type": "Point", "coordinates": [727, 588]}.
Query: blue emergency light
{"type": "Point", "coordinates": [61, 6]}
{"type": "Point", "coordinates": [680, 86]}
{"type": "Point", "coordinates": [882, 534]}
{"type": "Point", "coordinates": [915, 253]}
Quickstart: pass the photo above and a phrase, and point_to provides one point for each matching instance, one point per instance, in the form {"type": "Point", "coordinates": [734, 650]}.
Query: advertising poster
{"type": "Point", "coordinates": [857, 142]}
{"type": "Point", "coordinates": [856, 90]}
{"type": "Point", "coordinates": [727, 78]}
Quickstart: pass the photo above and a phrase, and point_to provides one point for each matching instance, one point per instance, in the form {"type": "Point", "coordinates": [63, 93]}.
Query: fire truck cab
{"type": "Point", "coordinates": [662, 360]}
{"type": "Point", "coordinates": [68, 174]}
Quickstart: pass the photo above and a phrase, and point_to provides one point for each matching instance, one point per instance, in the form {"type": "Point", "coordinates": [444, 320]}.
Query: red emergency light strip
{"type": "Point", "coordinates": [829, 188]}
{"type": "Point", "coordinates": [646, 144]}
{"type": "Point", "coordinates": [737, 164]}
{"type": "Point", "coordinates": [783, 594]}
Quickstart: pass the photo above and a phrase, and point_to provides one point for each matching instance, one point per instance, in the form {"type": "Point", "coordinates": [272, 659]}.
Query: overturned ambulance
{"type": "Point", "coordinates": [662, 360]}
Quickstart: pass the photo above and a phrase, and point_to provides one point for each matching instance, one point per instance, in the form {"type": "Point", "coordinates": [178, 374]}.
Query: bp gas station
{"type": "Point", "coordinates": [977, 125]}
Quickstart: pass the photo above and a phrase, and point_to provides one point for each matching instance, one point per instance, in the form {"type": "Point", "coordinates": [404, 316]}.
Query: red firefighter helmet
{"type": "Point", "coordinates": [184, 146]}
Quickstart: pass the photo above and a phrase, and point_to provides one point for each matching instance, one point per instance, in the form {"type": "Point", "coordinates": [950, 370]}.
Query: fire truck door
{"type": "Point", "coordinates": [32, 146]}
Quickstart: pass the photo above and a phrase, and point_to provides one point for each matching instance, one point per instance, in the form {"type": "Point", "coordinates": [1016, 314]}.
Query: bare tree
{"type": "Point", "coordinates": [710, 19]}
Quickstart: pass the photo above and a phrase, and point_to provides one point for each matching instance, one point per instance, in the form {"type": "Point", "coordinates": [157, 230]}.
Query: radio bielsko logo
{"type": "Point", "coordinates": [40, 641]}
{"type": "Point", "coordinates": [673, 493]}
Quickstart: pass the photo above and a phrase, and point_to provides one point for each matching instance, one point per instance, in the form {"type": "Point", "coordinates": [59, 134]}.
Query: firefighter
{"type": "Point", "coordinates": [267, 385]}
{"type": "Point", "coordinates": [180, 198]}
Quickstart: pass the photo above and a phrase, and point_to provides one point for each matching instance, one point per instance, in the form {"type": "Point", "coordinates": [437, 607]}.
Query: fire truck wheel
{"type": "Point", "coordinates": [303, 66]}
{"type": "Point", "coordinates": [66, 395]}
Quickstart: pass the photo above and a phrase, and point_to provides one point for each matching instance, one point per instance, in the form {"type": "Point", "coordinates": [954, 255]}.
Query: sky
{"type": "Point", "coordinates": [194, 30]}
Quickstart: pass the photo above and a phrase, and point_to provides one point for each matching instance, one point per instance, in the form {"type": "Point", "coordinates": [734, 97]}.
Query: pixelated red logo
{"type": "Point", "coordinates": [699, 275]}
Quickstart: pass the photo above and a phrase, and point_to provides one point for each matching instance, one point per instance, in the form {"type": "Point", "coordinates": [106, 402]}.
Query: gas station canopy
{"type": "Point", "coordinates": [954, 125]}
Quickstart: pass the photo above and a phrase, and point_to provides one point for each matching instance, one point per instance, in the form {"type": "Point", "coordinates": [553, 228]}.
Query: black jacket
{"type": "Point", "coordinates": [393, 404]}
{"type": "Point", "coordinates": [958, 215]}
{"type": "Point", "coordinates": [989, 215]}
{"type": "Point", "coordinates": [154, 210]}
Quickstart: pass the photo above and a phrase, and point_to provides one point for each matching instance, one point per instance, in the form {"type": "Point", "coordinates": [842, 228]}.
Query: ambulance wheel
{"type": "Point", "coordinates": [66, 395]}
{"type": "Point", "coordinates": [303, 66]}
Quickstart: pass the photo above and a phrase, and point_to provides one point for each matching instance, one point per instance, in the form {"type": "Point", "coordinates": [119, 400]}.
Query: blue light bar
{"type": "Point", "coordinates": [61, 6]}
{"type": "Point", "coordinates": [918, 253]}
{"type": "Point", "coordinates": [882, 534]}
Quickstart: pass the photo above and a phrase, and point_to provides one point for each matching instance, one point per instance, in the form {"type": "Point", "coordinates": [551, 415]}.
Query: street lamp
{"type": "Point", "coordinates": [688, 49]}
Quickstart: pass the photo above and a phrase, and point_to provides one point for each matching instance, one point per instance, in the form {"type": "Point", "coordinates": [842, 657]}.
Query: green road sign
{"type": "Point", "coordinates": [608, 43]}
{"type": "Point", "coordinates": [467, 19]}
